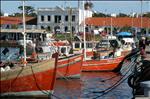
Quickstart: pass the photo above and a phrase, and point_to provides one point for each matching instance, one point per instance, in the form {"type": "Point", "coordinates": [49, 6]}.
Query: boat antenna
{"type": "Point", "coordinates": [24, 34]}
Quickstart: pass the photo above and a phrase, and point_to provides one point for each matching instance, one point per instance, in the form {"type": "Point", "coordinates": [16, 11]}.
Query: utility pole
{"type": "Point", "coordinates": [111, 26]}
{"type": "Point", "coordinates": [70, 19]}
{"type": "Point", "coordinates": [84, 37]}
{"type": "Point", "coordinates": [141, 15]}
{"type": "Point", "coordinates": [24, 34]}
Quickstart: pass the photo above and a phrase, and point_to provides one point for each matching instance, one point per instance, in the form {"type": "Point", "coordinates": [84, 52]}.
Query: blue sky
{"type": "Point", "coordinates": [100, 6]}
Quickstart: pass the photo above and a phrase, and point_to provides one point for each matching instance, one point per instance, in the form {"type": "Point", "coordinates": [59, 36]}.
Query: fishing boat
{"type": "Point", "coordinates": [25, 78]}
{"type": "Point", "coordinates": [69, 65]}
{"type": "Point", "coordinates": [32, 79]}
{"type": "Point", "coordinates": [108, 64]}
{"type": "Point", "coordinates": [104, 58]}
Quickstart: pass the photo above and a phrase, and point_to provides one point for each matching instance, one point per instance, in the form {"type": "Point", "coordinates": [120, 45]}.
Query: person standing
{"type": "Point", "coordinates": [142, 46]}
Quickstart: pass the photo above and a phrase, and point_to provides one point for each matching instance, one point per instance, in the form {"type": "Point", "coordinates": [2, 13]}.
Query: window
{"type": "Point", "coordinates": [73, 18]}
{"type": "Point", "coordinates": [7, 27]}
{"type": "Point", "coordinates": [73, 29]}
{"type": "Point", "coordinates": [66, 18]}
{"type": "Point", "coordinates": [89, 45]}
{"type": "Point", "coordinates": [42, 18]}
{"type": "Point", "coordinates": [48, 28]}
{"type": "Point", "coordinates": [42, 27]}
{"type": "Point", "coordinates": [77, 45]}
{"type": "Point", "coordinates": [66, 28]}
{"type": "Point", "coordinates": [49, 18]}
{"type": "Point", "coordinates": [57, 18]}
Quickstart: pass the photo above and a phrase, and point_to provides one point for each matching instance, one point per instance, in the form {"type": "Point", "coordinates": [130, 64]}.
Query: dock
{"type": "Point", "coordinates": [147, 58]}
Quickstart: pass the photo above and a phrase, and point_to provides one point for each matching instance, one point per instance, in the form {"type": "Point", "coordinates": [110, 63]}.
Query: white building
{"type": "Point", "coordinates": [61, 19]}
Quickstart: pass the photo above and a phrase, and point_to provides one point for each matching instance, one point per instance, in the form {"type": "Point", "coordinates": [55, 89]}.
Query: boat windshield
{"type": "Point", "coordinates": [7, 55]}
{"type": "Point", "coordinates": [106, 43]}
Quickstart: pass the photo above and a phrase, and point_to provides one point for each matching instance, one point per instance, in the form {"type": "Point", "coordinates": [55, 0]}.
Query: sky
{"type": "Point", "coordinates": [108, 7]}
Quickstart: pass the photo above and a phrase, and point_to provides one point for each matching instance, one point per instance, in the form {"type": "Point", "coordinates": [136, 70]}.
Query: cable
{"type": "Point", "coordinates": [115, 85]}
{"type": "Point", "coordinates": [118, 82]}
{"type": "Point", "coordinates": [103, 91]}
{"type": "Point", "coordinates": [44, 92]}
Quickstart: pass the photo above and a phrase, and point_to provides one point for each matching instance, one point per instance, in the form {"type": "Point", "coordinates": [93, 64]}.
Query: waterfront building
{"type": "Point", "coordinates": [61, 20]}
{"type": "Point", "coordinates": [11, 28]}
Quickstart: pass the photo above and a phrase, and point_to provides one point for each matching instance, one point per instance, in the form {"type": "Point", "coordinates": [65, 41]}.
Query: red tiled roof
{"type": "Point", "coordinates": [118, 22]}
{"type": "Point", "coordinates": [13, 20]}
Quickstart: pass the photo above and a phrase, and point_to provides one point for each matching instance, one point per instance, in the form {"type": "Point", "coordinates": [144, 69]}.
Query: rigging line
{"type": "Point", "coordinates": [44, 92]}
{"type": "Point", "coordinates": [127, 71]}
{"type": "Point", "coordinates": [110, 89]}
{"type": "Point", "coordinates": [110, 86]}
{"type": "Point", "coordinates": [116, 82]}
{"type": "Point", "coordinates": [113, 76]}
{"type": "Point", "coordinates": [60, 74]}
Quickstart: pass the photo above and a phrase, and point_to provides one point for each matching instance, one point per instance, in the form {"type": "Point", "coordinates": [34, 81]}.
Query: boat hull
{"type": "Point", "coordinates": [101, 65]}
{"type": "Point", "coordinates": [70, 67]}
{"type": "Point", "coordinates": [35, 79]}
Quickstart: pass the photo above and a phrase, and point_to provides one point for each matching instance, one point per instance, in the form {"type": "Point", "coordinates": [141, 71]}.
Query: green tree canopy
{"type": "Point", "coordinates": [146, 14]}
{"type": "Point", "coordinates": [29, 11]}
{"type": "Point", "coordinates": [88, 5]}
{"type": "Point", "coordinates": [100, 15]}
{"type": "Point", "coordinates": [1, 13]}
{"type": "Point", "coordinates": [122, 15]}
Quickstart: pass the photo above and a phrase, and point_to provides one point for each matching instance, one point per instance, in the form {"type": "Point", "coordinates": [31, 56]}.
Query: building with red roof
{"type": "Point", "coordinates": [10, 22]}
{"type": "Point", "coordinates": [118, 22]}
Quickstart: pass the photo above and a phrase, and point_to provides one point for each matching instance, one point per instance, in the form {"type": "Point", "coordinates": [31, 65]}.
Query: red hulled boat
{"type": "Point", "coordinates": [102, 64]}
{"type": "Point", "coordinates": [70, 66]}
{"type": "Point", "coordinates": [33, 79]}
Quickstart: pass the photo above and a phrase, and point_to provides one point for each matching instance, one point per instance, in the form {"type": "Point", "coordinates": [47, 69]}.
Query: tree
{"type": "Point", "coordinates": [146, 14]}
{"type": "Point", "coordinates": [88, 5]}
{"type": "Point", "coordinates": [100, 15]}
{"type": "Point", "coordinates": [1, 13]}
{"type": "Point", "coordinates": [29, 10]}
{"type": "Point", "coordinates": [122, 15]}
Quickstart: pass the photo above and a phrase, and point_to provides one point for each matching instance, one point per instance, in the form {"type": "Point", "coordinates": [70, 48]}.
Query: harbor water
{"type": "Point", "coordinates": [92, 85]}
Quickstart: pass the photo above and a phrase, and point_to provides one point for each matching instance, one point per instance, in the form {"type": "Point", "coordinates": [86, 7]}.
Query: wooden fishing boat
{"type": "Point", "coordinates": [29, 77]}
{"type": "Point", "coordinates": [33, 79]}
{"type": "Point", "coordinates": [102, 65]}
{"type": "Point", "coordinates": [69, 66]}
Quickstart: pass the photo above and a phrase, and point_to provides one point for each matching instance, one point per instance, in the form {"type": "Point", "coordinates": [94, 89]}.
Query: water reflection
{"type": "Point", "coordinates": [91, 83]}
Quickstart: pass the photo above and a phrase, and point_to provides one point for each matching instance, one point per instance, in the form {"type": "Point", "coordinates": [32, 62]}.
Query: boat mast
{"type": "Point", "coordinates": [111, 26]}
{"type": "Point", "coordinates": [84, 32]}
{"type": "Point", "coordinates": [24, 34]}
{"type": "Point", "coordinates": [141, 14]}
